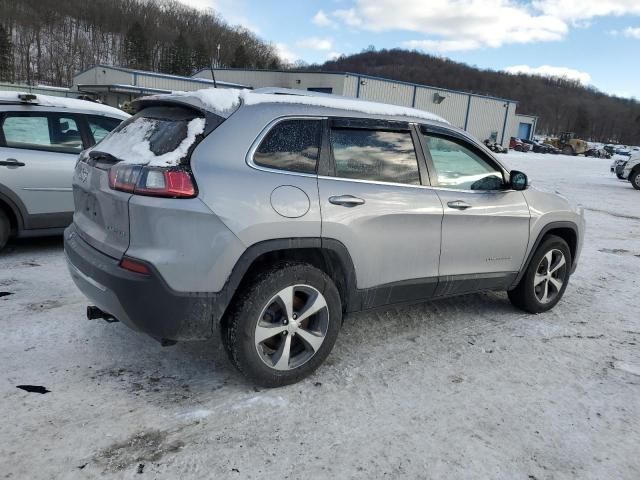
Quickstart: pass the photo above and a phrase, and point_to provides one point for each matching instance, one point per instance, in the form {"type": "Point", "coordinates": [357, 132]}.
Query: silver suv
{"type": "Point", "coordinates": [271, 215]}
{"type": "Point", "coordinates": [40, 139]}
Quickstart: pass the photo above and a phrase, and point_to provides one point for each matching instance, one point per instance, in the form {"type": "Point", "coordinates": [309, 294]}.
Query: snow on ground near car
{"type": "Point", "coordinates": [461, 388]}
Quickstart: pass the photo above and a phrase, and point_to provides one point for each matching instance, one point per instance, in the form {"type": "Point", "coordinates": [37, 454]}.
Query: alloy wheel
{"type": "Point", "coordinates": [292, 327]}
{"type": "Point", "coordinates": [550, 276]}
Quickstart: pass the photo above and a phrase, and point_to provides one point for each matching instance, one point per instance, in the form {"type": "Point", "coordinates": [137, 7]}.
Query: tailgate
{"type": "Point", "coordinates": [101, 214]}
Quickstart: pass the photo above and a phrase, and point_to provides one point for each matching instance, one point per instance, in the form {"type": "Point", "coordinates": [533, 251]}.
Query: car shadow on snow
{"type": "Point", "coordinates": [192, 371]}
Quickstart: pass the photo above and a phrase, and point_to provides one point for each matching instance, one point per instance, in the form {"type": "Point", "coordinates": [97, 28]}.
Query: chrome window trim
{"type": "Point", "coordinates": [267, 128]}
{"type": "Point", "coordinates": [263, 133]}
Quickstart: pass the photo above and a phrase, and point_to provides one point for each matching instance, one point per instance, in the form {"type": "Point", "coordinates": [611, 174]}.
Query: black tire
{"type": "Point", "coordinates": [634, 178]}
{"type": "Point", "coordinates": [238, 328]}
{"type": "Point", "coordinates": [568, 150]}
{"type": "Point", "coordinates": [524, 296]}
{"type": "Point", "coordinates": [5, 229]}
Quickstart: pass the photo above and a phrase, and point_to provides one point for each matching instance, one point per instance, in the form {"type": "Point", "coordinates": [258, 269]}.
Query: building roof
{"type": "Point", "coordinates": [362, 75]}
{"type": "Point", "coordinates": [163, 75]}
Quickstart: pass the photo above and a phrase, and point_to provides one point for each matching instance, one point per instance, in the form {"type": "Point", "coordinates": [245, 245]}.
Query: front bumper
{"type": "Point", "coordinates": [143, 302]}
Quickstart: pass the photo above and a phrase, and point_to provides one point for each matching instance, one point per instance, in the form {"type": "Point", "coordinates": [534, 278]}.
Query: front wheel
{"type": "Point", "coordinates": [284, 325]}
{"type": "Point", "coordinates": [546, 277]}
{"type": "Point", "coordinates": [634, 178]}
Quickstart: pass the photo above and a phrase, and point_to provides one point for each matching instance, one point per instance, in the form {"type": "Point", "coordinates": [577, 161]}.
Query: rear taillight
{"type": "Point", "coordinates": [152, 181]}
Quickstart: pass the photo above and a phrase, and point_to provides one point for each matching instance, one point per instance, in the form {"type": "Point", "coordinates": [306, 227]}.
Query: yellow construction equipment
{"type": "Point", "coordinates": [569, 144]}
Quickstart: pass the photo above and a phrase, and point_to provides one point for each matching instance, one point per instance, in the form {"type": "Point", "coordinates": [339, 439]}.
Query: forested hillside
{"type": "Point", "coordinates": [49, 41]}
{"type": "Point", "coordinates": [562, 105]}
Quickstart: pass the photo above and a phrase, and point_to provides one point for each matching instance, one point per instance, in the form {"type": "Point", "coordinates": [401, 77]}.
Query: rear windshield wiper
{"type": "Point", "coordinates": [105, 157]}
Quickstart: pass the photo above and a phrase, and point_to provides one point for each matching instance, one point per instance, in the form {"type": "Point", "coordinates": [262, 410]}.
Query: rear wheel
{"type": "Point", "coordinates": [546, 277]}
{"type": "Point", "coordinates": [5, 229]}
{"type": "Point", "coordinates": [284, 325]}
{"type": "Point", "coordinates": [634, 178]}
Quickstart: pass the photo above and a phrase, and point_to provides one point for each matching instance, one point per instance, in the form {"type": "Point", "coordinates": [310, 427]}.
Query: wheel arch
{"type": "Point", "coordinates": [330, 256]}
{"type": "Point", "coordinates": [12, 210]}
{"type": "Point", "coordinates": [568, 231]}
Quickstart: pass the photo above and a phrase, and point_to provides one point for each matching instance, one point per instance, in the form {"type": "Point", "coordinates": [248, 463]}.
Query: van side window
{"type": "Point", "coordinates": [375, 155]}
{"type": "Point", "coordinates": [460, 167]}
{"type": "Point", "coordinates": [292, 145]}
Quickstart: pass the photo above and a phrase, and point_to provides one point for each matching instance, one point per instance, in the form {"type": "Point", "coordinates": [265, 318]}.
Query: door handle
{"type": "Point", "coordinates": [458, 205]}
{"type": "Point", "coordinates": [11, 162]}
{"type": "Point", "coordinates": [346, 200]}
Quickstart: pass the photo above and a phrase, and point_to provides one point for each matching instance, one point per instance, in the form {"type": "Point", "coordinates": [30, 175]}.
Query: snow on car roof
{"type": "Point", "coordinates": [226, 100]}
{"type": "Point", "coordinates": [61, 102]}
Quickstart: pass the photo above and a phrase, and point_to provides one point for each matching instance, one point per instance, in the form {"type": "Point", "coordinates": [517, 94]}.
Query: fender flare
{"type": "Point", "coordinates": [321, 244]}
{"type": "Point", "coordinates": [545, 230]}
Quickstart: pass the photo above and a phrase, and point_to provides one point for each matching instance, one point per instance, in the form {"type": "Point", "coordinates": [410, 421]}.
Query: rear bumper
{"type": "Point", "coordinates": [143, 302]}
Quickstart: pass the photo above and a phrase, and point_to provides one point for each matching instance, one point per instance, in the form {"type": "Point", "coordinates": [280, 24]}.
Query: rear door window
{"type": "Point", "coordinates": [292, 145]}
{"type": "Point", "coordinates": [375, 155]}
{"type": "Point", "coordinates": [52, 132]}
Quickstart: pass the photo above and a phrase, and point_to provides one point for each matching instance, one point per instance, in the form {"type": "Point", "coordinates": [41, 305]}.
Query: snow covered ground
{"type": "Point", "coordinates": [459, 388]}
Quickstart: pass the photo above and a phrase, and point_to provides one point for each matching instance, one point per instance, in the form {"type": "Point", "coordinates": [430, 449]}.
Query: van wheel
{"type": "Point", "coordinates": [284, 325]}
{"type": "Point", "coordinates": [5, 228]}
{"type": "Point", "coordinates": [546, 277]}
{"type": "Point", "coordinates": [634, 178]}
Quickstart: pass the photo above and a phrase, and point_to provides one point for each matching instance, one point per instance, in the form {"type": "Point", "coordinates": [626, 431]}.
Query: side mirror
{"type": "Point", "coordinates": [519, 180]}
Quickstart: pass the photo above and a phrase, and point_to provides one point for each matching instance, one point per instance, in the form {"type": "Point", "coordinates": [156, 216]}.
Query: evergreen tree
{"type": "Point", "coordinates": [6, 59]}
{"type": "Point", "coordinates": [136, 53]}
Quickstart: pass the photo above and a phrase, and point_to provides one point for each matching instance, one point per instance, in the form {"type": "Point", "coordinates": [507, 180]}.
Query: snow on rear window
{"type": "Point", "coordinates": [154, 142]}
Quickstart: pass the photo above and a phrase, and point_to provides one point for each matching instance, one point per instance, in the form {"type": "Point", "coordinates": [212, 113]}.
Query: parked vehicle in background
{"type": "Point", "coordinates": [495, 147]}
{"type": "Point", "coordinates": [540, 147]}
{"type": "Point", "coordinates": [40, 139]}
{"type": "Point", "coordinates": [568, 144]}
{"type": "Point", "coordinates": [597, 153]}
{"type": "Point", "coordinates": [617, 167]}
{"type": "Point", "coordinates": [631, 170]}
{"type": "Point", "coordinates": [270, 216]}
{"type": "Point", "coordinates": [518, 145]}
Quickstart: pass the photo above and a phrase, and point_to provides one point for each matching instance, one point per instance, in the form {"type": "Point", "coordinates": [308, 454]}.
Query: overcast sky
{"type": "Point", "coordinates": [595, 41]}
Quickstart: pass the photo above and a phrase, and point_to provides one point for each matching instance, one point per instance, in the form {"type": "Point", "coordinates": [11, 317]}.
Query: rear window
{"type": "Point", "coordinates": [292, 145]}
{"type": "Point", "coordinates": [160, 136]}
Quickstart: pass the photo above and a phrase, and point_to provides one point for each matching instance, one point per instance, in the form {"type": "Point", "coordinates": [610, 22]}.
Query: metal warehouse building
{"type": "Point", "coordinates": [483, 116]}
{"type": "Point", "coordinates": [115, 85]}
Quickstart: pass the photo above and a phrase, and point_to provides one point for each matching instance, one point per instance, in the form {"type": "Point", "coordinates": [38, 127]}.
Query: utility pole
{"type": "Point", "coordinates": [213, 64]}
